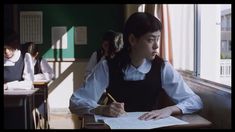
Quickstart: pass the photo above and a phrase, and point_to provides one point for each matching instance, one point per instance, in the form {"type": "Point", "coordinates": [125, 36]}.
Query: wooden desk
{"type": "Point", "coordinates": [13, 98]}
{"type": "Point", "coordinates": [194, 120]}
{"type": "Point", "coordinates": [43, 92]}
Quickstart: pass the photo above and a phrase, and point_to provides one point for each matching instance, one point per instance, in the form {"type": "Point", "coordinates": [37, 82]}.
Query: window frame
{"type": "Point", "coordinates": [197, 52]}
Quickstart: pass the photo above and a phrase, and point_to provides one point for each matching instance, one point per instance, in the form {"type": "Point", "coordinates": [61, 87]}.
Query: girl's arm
{"type": "Point", "coordinates": [47, 72]}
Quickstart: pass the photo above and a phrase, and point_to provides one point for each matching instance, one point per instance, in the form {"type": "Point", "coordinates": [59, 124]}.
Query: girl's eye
{"type": "Point", "coordinates": [150, 40]}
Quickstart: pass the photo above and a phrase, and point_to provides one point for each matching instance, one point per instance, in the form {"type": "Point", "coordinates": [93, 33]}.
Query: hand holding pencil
{"type": "Point", "coordinates": [111, 97]}
{"type": "Point", "coordinates": [118, 105]}
{"type": "Point", "coordinates": [114, 109]}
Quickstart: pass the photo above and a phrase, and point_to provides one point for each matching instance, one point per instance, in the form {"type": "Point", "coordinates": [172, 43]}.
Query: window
{"type": "Point", "coordinates": [208, 26]}
{"type": "Point", "coordinates": [215, 38]}
{"type": "Point", "coordinates": [223, 48]}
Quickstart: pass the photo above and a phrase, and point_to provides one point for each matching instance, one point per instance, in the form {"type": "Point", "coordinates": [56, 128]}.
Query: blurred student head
{"type": "Point", "coordinates": [11, 42]}
{"type": "Point", "coordinates": [112, 42]}
{"type": "Point", "coordinates": [32, 49]}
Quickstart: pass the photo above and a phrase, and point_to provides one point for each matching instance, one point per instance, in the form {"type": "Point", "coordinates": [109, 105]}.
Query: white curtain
{"type": "Point", "coordinates": [182, 29]}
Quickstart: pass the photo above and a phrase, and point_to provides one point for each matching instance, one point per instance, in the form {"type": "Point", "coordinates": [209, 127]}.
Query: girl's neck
{"type": "Point", "coordinates": [136, 61]}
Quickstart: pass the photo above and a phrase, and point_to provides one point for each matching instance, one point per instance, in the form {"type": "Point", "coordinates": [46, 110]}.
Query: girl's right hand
{"type": "Point", "coordinates": [115, 109]}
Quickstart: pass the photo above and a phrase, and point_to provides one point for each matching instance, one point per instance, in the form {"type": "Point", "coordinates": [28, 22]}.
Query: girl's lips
{"type": "Point", "coordinates": [154, 53]}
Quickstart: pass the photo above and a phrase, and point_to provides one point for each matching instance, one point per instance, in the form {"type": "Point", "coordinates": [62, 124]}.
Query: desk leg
{"type": "Point", "coordinates": [25, 113]}
{"type": "Point", "coordinates": [45, 109]}
{"type": "Point", "coordinates": [44, 92]}
{"type": "Point", "coordinates": [30, 110]}
{"type": "Point", "coordinates": [28, 105]}
{"type": "Point", "coordinates": [32, 106]}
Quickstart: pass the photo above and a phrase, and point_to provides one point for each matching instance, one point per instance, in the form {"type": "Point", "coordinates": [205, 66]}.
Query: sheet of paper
{"type": "Point", "coordinates": [131, 121]}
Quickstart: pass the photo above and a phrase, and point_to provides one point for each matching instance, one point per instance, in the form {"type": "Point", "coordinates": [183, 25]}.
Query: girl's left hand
{"type": "Point", "coordinates": [157, 114]}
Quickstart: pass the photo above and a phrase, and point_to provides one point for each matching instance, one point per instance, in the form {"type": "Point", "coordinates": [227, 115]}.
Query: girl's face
{"type": "Point", "coordinates": [105, 46]}
{"type": "Point", "coordinates": [35, 55]}
{"type": "Point", "coordinates": [146, 46]}
{"type": "Point", "coordinates": [8, 52]}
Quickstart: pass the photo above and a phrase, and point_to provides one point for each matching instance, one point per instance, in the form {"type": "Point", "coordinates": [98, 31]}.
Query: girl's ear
{"type": "Point", "coordinates": [132, 39]}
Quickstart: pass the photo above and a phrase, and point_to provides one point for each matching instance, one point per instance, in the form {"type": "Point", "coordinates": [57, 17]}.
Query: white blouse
{"type": "Point", "coordinates": [28, 73]}
{"type": "Point", "coordinates": [87, 95]}
{"type": "Point", "coordinates": [47, 72]}
{"type": "Point", "coordinates": [91, 64]}
{"type": "Point", "coordinates": [24, 84]}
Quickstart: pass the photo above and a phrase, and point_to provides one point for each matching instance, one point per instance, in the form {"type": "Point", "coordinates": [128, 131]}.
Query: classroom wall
{"type": "Point", "coordinates": [130, 9]}
{"type": "Point", "coordinates": [69, 64]}
{"type": "Point", "coordinates": [69, 76]}
{"type": "Point", "coordinates": [98, 18]}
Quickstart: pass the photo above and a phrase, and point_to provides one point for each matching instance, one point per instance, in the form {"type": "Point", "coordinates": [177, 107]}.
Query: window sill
{"type": "Point", "coordinates": [188, 76]}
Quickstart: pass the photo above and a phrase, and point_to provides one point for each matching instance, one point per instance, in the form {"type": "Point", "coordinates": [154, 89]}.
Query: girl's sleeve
{"type": "Point", "coordinates": [87, 95]}
{"type": "Point", "coordinates": [91, 64]}
{"type": "Point", "coordinates": [47, 72]}
{"type": "Point", "coordinates": [179, 91]}
{"type": "Point", "coordinates": [28, 73]}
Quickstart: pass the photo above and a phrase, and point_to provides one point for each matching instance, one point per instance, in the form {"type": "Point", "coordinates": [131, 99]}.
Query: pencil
{"type": "Point", "coordinates": [114, 100]}
{"type": "Point", "coordinates": [111, 97]}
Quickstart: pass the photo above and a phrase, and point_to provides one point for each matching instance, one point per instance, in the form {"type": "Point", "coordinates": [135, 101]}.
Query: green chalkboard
{"type": "Point", "coordinates": [98, 18]}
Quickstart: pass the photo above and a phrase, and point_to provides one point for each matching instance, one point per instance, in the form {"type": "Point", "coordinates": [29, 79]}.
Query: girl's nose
{"type": "Point", "coordinates": [155, 45]}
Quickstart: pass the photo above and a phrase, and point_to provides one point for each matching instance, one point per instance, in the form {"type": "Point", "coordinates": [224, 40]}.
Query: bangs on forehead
{"type": "Point", "coordinates": [154, 34]}
{"type": "Point", "coordinates": [141, 23]}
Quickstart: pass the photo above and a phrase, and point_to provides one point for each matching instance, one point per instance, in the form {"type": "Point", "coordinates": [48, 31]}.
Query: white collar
{"type": "Point", "coordinates": [14, 58]}
{"type": "Point", "coordinates": [143, 68]}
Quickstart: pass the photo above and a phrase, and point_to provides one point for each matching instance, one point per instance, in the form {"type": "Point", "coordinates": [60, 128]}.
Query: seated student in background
{"type": "Point", "coordinates": [42, 72]}
{"type": "Point", "coordinates": [134, 77]}
{"type": "Point", "coordinates": [15, 66]}
{"type": "Point", "coordinates": [112, 42]}
{"type": "Point", "coordinates": [40, 67]}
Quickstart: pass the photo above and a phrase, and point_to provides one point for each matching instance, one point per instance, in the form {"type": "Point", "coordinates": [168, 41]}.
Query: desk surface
{"type": "Point", "coordinates": [20, 92]}
{"type": "Point", "coordinates": [194, 120]}
{"type": "Point", "coordinates": [40, 83]}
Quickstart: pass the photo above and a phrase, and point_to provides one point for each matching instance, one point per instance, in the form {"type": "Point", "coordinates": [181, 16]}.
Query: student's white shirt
{"type": "Point", "coordinates": [87, 95]}
{"type": "Point", "coordinates": [47, 72]}
{"type": "Point", "coordinates": [91, 64]}
{"type": "Point", "coordinates": [24, 84]}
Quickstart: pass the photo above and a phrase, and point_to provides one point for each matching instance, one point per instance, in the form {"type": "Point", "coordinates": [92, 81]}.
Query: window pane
{"type": "Point", "coordinates": [216, 43]}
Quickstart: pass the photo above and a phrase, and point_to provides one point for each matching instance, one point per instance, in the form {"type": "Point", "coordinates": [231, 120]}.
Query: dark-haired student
{"type": "Point", "coordinates": [40, 67]}
{"type": "Point", "coordinates": [112, 42]}
{"type": "Point", "coordinates": [16, 68]}
{"type": "Point", "coordinates": [17, 74]}
{"type": "Point", "coordinates": [42, 72]}
{"type": "Point", "coordinates": [135, 76]}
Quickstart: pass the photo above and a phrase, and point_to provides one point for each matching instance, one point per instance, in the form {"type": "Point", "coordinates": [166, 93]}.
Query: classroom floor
{"type": "Point", "coordinates": [63, 121]}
